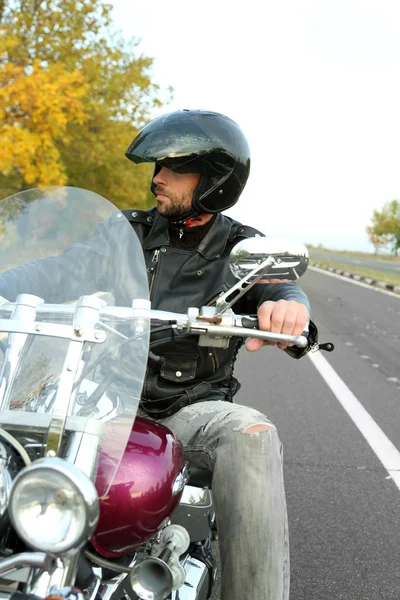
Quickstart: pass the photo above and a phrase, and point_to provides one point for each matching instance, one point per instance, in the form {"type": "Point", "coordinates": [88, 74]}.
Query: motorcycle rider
{"type": "Point", "coordinates": [202, 162]}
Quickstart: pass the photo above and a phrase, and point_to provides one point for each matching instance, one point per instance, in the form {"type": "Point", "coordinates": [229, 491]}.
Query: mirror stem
{"type": "Point", "coordinates": [227, 300]}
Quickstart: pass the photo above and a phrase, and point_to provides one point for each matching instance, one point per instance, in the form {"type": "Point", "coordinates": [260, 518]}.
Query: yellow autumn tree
{"type": "Point", "coordinates": [35, 111]}
{"type": "Point", "coordinates": [73, 94]}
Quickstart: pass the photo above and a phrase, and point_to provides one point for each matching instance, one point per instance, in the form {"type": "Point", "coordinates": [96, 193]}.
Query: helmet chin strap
{"type": "Point", "coordinates": [184, 220]}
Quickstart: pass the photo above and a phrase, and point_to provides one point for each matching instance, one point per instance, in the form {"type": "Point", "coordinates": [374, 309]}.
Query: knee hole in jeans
{"type": "Point", "coordinates": [258, 427]}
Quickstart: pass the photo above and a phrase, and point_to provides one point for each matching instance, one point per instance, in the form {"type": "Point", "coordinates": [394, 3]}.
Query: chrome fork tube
{"type": "Point", "coordinates": [25, 310]}
{"type": "Point", "coordinates": [85, 317]}
{"type": "Point", "coordinates": [83, 451]}
{"type": "Point", "coordinates": [63, 575]}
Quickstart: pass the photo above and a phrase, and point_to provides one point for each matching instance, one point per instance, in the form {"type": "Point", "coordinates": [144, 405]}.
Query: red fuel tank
{"type": "Point", "coordinates": [140, 497]}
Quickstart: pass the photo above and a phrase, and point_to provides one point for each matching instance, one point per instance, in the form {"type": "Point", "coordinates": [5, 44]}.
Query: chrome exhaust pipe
{"type": "Point", "coordinates": [152, 579]}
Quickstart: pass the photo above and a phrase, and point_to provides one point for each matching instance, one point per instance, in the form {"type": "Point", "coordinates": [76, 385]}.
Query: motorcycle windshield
{"type": "Point", "coordinates": [72, 360]}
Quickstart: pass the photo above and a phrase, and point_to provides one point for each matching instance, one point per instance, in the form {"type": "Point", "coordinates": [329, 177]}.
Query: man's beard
{"type": "Point", "coordinates": [175, 207]}
{"type": "Point", "coordinates": [172, 212]}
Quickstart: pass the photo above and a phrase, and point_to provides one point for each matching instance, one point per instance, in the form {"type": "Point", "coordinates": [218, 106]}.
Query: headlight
{"type": "Point", "coordinates": [54, 506]}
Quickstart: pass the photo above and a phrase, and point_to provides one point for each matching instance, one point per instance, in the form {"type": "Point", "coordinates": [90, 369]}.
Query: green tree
{"type": "Point", "coordinates": [385, 226]}
{"type": "Point", "coordinates": [378, 241]}
{"type": "Point", "coordinates": [73, 94]}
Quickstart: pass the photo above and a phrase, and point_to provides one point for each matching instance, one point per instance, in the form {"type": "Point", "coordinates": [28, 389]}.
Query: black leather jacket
{"type": "Point", "coordinates": [182, 372]}
{"type": "Point", "coordinates": [179, 371]}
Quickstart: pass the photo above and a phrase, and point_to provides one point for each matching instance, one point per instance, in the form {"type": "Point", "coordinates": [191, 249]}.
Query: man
{"type": "Point", "coordinates": [202, 163]}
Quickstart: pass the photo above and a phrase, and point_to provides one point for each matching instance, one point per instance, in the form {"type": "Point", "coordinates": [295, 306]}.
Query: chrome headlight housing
{"type": "Point", "coordinates": [54, 507]}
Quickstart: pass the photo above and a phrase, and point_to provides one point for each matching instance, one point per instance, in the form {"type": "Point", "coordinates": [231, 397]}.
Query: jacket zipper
{"type": "Point", "coordinates": [153, 269]}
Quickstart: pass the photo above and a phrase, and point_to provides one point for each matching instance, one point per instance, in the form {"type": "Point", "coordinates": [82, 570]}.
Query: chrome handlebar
{"type": "Point", "coordinates": [202, 322]}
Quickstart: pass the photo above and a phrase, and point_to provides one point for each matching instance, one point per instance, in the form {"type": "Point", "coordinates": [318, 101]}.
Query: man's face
{"type": "Point", "coordinates": [174, 192]}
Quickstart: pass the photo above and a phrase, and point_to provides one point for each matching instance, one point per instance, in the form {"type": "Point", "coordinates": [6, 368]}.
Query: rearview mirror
{"type": "Point", "coordinates": [290, 258]}
{"type": "Point", "coordinates": [259, 260]}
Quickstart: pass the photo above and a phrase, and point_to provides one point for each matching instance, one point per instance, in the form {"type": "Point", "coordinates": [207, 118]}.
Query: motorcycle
{"type": "Point", "coordinates": [96, 501]}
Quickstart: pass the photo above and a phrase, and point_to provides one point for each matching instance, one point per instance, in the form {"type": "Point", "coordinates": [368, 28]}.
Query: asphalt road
{"type": "Point", "coordinates": [376, 265]}
{"type": "Point", "coordinates": [344, 510]}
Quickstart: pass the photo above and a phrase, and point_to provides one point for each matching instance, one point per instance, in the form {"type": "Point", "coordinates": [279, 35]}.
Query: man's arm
{"type": "Point", "coordinates": [281, 308]}
{"type": "Point", "coordinates": [61, 278]}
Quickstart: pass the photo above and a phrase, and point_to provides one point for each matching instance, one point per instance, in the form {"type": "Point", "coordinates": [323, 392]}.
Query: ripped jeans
{"type": "Point", "coordinates": [243, 450]}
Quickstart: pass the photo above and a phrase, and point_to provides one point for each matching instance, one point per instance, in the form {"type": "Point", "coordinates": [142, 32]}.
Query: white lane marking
{"type": "Point", "coordinates": [364, 285]}
{"type": "Point", "coordinates": [379, 442]}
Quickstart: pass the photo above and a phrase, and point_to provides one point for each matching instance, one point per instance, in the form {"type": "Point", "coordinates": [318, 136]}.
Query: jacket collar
{"type": "Point", "coordinates": [158, 235]}
{"type": "Point", "coordinates": [211, 247]}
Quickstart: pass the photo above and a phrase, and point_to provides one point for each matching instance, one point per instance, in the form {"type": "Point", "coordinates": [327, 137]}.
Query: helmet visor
{"type": "Point", "coordinates": [180, 137]}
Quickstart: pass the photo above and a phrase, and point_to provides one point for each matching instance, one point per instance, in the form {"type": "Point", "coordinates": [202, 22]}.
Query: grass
{"type": "Point", "coordinates": [388, 257]}
{"type": "Point", "coordinates": [364, 272]}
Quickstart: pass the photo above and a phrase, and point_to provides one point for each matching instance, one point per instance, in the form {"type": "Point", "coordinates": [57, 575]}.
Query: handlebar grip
{"type": "Point", "coordinates": [250, 322]}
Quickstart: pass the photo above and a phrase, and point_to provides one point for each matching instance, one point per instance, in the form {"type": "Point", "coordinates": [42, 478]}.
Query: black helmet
{"type": "Point", "coordinates": [198, 141]}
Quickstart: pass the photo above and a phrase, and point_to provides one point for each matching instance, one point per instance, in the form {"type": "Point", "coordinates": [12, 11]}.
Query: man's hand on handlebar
{"type": "Point", "coordinates": [284, 316]}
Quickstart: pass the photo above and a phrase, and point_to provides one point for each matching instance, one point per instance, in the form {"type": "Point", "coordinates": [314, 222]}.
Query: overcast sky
{"type": "Point", "coordinates": [315, 86]}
